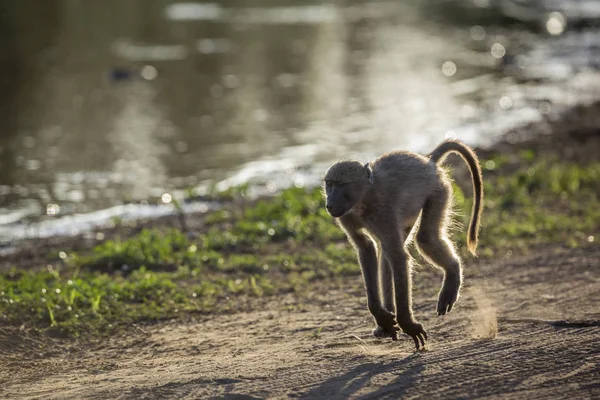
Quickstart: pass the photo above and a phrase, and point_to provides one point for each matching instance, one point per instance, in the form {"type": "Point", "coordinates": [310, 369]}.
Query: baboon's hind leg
{"type": "Point", "coordinates": [435, 245]}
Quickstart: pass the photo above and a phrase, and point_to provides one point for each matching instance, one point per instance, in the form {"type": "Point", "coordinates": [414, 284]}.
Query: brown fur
{"type": "Point", "coordinates": [377, 205]}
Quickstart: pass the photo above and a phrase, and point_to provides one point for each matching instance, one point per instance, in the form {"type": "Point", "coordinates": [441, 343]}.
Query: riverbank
{"type": "Point", "coordinates": [264, 298]}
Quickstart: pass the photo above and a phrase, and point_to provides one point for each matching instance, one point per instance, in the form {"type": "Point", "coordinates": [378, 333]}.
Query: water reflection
{"type": "Point", "coordinates": [116, 102]}
{"type": "Point", "coordinates": [137, 141]}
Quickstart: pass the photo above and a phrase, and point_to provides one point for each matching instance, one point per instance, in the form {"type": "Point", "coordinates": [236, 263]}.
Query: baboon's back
{"type": "Point", "coordinates": [405, 179]}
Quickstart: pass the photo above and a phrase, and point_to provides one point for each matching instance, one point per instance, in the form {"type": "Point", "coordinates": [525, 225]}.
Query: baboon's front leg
{"type": "Point", "coordinates": [387, 285]}
{"type": "Point", "coordinates": [387, 280]}
{"type": "Point", "coordinates": [387, 297]}
{"type": "Point", "coordinates": [400, 261]}
{"type": "Point", "coordinates": [385, 319]}
{"type": "Point", "coordinates": [367, 258]}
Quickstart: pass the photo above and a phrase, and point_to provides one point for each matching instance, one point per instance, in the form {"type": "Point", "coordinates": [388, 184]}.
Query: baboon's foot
{"type": "Point", "coordinates": [386, 323]}
{"type": "Point", "coordinates": [382, 316]}
{"type": "Point", "coordinates": [381, 332]}
{"type": "Point", "coordinates": [448, 293]}
{"type": "Point", "coordinates": [415, 331]}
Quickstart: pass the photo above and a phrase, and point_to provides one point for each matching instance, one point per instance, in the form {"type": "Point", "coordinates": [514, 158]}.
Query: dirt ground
{"type": "Point", "coordinates": [525, 327]}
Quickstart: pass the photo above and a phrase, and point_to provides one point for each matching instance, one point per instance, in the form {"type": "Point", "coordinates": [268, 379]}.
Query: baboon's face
{"type": "Point", "coordinates": [341, 197]}
{"type": "Point", "coordinates": [345, 185]}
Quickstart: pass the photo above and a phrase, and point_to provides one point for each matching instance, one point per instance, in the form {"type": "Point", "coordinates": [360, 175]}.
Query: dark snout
{"type": "Point", "coordinates": [330, 209]}
{"type": "Point", "coordinates": [334, 211]}
{"type": "Point", "coordinates": [336, 203]}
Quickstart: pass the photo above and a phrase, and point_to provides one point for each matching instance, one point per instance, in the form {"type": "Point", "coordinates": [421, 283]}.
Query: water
{"type": "Point", "coordinates": [109, 105]}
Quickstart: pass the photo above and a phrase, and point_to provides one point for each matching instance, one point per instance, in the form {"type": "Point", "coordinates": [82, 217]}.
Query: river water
{"type": "Point", "coordinates": [110, 109]}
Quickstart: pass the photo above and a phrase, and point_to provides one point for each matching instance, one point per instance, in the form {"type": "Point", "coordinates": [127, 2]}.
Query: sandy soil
{"type": "Point", "coordinates": [525, 327]}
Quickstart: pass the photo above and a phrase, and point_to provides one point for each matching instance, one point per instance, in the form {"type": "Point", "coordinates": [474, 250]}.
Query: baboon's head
{"type": "Point", "coordinates": [346, 183]}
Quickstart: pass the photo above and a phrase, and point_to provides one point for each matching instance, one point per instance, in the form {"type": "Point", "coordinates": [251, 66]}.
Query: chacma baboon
{"type": "Point", "coordinates": [377, 204]}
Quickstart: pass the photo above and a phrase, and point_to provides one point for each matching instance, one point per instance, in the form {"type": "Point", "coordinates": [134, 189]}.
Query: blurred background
{"type": "Point", "coordinates": [114, 108]}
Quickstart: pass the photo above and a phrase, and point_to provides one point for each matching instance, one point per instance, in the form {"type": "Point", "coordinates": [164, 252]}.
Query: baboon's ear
{"type": "Point", "coordinates": [369, 172]}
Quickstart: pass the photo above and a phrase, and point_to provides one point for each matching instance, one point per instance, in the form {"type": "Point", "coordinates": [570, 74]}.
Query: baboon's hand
{"type": "Point", "coordinates": [415, 331]}
{"type": "Point", "coordinates": [381, 332]}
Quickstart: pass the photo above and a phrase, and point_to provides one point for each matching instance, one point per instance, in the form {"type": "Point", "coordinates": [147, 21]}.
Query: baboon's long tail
{"type": "Point", "coordinates": [472, 161]}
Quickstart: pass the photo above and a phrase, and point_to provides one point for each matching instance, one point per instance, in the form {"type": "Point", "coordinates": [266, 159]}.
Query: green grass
{"type": "Point", "coordinates": [287, 243]}
{"type": "Point", "coordinates": [94, 303]}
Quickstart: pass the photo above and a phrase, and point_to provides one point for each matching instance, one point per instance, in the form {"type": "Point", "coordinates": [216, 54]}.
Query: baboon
{"type": "Point", "coordinates": [378, 204]}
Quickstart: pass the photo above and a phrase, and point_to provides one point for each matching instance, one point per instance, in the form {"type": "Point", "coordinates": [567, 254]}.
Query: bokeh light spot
{"type": "Point", "coordinates": [505, 102]}
{"type": "Point", "coordinates": [271, 187]}
{"type": "Point", "coordinates": [545, 107]}
{"type": "Point", "coordinates": [477, 32]}
{"type": "Point", "coordinates": [149, 73]}
{"type": "Point", "coordinates": [449, 68]}
{"type": "Point", "coordinates": [166, 198]}
{"type": "Point", "coordinates": [52, 209]}
{"type": "Point", "coordinates": [555, 25]}
{"type": "Point", "coordinates": [498, 51]}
